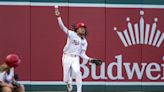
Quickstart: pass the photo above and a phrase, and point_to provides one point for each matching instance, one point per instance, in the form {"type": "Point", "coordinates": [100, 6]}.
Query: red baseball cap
{"type": "Point", "coordinates": [80, 24]}
{"type": "Point", "coordinates": [12, 60]}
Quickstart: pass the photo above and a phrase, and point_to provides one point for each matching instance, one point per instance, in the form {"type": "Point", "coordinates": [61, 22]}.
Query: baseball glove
{"type": "Point", "coordinates": [98, 62]}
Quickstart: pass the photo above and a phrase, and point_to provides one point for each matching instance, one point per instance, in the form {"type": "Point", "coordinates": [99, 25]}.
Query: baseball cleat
{"type": "Point", "coordinates": [69, 87]}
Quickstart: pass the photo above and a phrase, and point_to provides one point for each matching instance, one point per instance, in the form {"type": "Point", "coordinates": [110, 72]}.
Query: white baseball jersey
{"type": "Point", "coordinates": [75, 45]}
{"type": "Point", "coordinates": [4, 76]}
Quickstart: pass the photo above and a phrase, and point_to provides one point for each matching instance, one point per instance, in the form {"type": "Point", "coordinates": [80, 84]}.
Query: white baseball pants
{"type": "Point", "coordinates": [71, 69]}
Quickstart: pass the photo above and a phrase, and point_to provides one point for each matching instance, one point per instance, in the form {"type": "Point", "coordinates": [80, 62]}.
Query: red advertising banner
{"type": "Point", "coordinates": [129, 40]}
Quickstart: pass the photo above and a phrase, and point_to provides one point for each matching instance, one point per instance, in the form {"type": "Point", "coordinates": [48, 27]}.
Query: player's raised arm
{"type": "Point", "coordinates": [61, 24]}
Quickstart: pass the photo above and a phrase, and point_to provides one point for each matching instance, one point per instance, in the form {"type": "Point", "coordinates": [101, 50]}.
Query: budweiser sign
{"type": "Point", "coordinates": [131, 70]}
{"type": "Point", "coordinates": [135, 53]}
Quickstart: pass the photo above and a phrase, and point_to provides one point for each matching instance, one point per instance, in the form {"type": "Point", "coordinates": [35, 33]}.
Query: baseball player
{"type": "Point", "coordinates": [75, 48]}
{"type": "Point", "coordinates": [7, 79]}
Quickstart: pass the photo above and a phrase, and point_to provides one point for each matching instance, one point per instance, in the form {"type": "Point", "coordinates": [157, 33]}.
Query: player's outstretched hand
{"type": "Point", "coordinates": [57, 13]}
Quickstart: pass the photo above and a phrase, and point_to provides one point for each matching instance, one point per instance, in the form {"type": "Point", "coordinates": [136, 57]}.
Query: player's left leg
{"type": "Point", "coordinates": [76, 70]}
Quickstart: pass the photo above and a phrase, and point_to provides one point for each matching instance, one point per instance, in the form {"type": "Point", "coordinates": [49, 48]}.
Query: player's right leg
{"type": "Point", "coordinates": [67, 71]}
